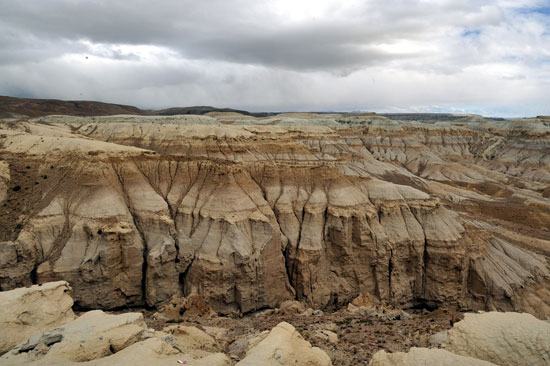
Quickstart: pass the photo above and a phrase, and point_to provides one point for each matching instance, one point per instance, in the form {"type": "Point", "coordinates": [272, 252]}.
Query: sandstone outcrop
{"type": "Point", "coordinates": [191, 340]}
{"type": "Point", "coordinates": [91, 336]}
{"type": "Point", "coordinates": [94, 338]}
{"type": "Point", "coordinates": [250, 212]}
{"type": "Point", "coordinates": [285, 346]}
{"type": "Point", "coordinates": [505, 339]}
{"type": "Point", "coordinates": [153, 352]}
{"type": "Point", "coordinates": [27, 311]}
{"type": "Point", "coordinates": [98, 338]}
{"type": "Point", "coordinates": [493, 338]}
{"type": "Point", "coordinates": [425, 357]}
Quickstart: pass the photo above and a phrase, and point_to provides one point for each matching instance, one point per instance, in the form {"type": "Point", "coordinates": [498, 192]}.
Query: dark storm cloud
{"type": "Point", "coordinates": [277, 54]}
{"type": "Point", "coordinates": [235, 31]}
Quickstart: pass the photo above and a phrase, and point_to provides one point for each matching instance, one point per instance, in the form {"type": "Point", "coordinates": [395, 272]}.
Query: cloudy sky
{"type": "Point", "coordinates": [489, 57]}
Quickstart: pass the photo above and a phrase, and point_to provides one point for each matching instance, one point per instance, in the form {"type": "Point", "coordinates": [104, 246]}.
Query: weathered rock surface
{"type": "Point", "coordinates": [424, 357]}
{"type": "Point", "coordinates": [180, 308]}
{"type": "Point", "coordinates": [133, 210]}
{"type": "Point", "coordinates": [97, 338]}
{"type": "Point", "coordinates": [505, 339]}
{"type": "Point", "coordinates": [285, 346]}
{"type": "Point", "coordinates": [27, 311]}
{"type": "Point", "coordinates": [191, 340]}
{"type": "Point", "coordinates": [237, 348]}
{"type": "Point", "coordinates": [438, 339]}
{"type": "Point", "coordinates": [292, 307]}
{"type": "Point", "coordinates": [155, 352]}
{"type": "Point", "coordinates": [327, 335]}
{"type": "Point", "coordinates": [91, 336]}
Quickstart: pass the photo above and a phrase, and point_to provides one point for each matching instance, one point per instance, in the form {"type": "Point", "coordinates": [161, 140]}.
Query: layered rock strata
{"type": "Point", "coordinates": [251, 212]}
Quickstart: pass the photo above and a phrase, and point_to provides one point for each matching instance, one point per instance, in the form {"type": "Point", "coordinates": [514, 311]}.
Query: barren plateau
{"type": "Point", "coordinates": [251, 212]}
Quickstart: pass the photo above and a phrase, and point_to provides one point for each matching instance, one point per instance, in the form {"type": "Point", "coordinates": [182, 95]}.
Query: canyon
{"type": "Point", "coordinates": [249, 212]}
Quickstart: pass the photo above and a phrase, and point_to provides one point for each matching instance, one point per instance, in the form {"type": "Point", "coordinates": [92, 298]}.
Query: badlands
{"type": "Point", "coordinates": [350, 232]}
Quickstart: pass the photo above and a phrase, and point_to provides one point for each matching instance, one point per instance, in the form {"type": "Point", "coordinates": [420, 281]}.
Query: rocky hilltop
{"type": "Point", "coordinates": [249, 212]}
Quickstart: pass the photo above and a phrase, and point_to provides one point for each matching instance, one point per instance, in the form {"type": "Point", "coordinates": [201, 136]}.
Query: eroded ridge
{"type": "Point", "coordinates": [249, 212]}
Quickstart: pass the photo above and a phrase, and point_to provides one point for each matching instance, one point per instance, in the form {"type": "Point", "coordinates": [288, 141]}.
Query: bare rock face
{"type": "Point", "coordinates": [41, 321]}
{"type": "Point", "coordinates": [96, 338]}
{"type": "Point", "coordinates": [251, 212]}
{"type": "Point", "coordinates": [27, 311]}
{"type": "Point", "coordinates": [505, 339]}
{"type": "Point", "coordinates": [285, 346]}
{"type": "Point", "coordinates": [155, 351]}
{"type": "Point", "coordinates": [91, 336]}
{"type": "Point", "coordinates": [492, 338]}
{"type": "Point", "coordinates": [425, 357]}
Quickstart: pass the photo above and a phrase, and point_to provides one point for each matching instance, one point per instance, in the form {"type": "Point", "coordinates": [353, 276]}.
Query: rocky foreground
{"type": "Point", "coordinates": [251, 212]}
{"type": "Point", "coordinates": [39, 328]}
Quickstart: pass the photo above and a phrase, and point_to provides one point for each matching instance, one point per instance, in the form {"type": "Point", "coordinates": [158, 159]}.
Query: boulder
{"type": "Point", "coordinates": [99, 339]}
{"type": "Point", "coordinates": [218, 333]}
{"type": "Point", "coordinates": [150, 352]}
{"type": "Point", "coordinates": [238, 348]}
{"type": "Point", "coordinates": [292, 307]}
{"type": "Point", "coordinates": [404, 315]}
{"type": "Point", "coordinates": [93, 335]}
{"type": "Point", "coordinates": [327, 335]}
{"type": "Point", "coordinates": [505, 339]}
{"type": "Point", "coordinates": [191, 340]}
{"type": "Point", "coordinates": [155, 352]}
{"type": "Point", "coordinates": [25, 312]}
{"type": "Point", "coordinates": [285, 346]}
{"type": "Point", "coordinates": [424, 357]}
{"type": "Point", "coordinates": [180, 308]}
{"type": "Point", "coordinates": [438, 339]}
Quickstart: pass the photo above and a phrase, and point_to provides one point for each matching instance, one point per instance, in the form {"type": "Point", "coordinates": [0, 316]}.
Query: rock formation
{"type": "Point", "coordinates": [26, 311]}
{"type": "Point", "coordinates": [91, 336]}
{"type": "Point", "coordinates": [505, 339]}
{"type": "Point", "coordinates": [97, 338]}
{"type": "Point", "coordinates": [425, 357]}
{"type": "Point", "coordinates": [250, 212]}
{"type": "Point", "coordinates": [284, 346]}
{"type": "Point", "coordinates": [94, 338]}
{"type": "Point", "coordinates": [180, 308]}
{"type": "Point", "coordinates": [493, 338]}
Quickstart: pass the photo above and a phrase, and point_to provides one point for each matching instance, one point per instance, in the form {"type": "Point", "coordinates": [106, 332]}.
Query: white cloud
{"type": "Point", "coordinates": [382, 55]}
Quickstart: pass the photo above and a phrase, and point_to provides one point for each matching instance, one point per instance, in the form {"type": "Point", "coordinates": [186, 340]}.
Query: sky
{"type": "Point", "coordinates": [486, 57]}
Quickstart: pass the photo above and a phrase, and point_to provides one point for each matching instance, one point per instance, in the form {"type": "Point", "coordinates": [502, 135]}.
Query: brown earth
{"type": "Point", "coordinates": [250, 212]}
{"type": "Point", "coordinates": [359, 337]}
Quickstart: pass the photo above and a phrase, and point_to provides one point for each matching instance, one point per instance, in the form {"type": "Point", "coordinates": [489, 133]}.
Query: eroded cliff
{"type": "Point", "coordinates": [250, 212]}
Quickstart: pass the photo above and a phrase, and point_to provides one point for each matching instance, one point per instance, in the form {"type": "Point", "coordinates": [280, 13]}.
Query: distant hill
{"type": "Point", "coordinates": [429, 117]}
{"type": "Point", "coordinates": [207, 109]}
{"type": "Point", "coordinates": [42, 107]}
